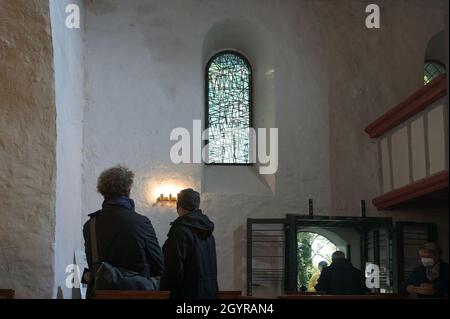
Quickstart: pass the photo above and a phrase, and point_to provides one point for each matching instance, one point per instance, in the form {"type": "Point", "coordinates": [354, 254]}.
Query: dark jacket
{"type": "Point", "coordinates": [419, 276]}
{"type": "Point", "coordinates": [190, 258]}
{"type": "Point", "coordinates": [125, 239]}
{"type": "Point", "coordinates": [341, 278]}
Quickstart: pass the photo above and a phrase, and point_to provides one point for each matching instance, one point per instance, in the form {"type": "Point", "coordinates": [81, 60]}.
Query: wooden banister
{"type": "Point", "coordinates": [428, 185]}
{"type": "Point", "coordinates": [412, 105]}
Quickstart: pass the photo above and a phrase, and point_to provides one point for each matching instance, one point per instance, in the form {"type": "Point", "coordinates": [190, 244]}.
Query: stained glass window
{"type": "Point", "coordinates": [432, 70]}
{"type": "Point", "coordinates": [228, 109]}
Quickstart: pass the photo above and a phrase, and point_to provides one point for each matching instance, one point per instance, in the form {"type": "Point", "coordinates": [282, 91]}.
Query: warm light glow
{"type": "Point", "coordinates": [167, 189]}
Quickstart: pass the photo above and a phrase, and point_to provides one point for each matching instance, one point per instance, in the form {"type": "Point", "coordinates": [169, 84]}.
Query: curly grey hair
{"type": "Point", "coordinates": [115, 181]}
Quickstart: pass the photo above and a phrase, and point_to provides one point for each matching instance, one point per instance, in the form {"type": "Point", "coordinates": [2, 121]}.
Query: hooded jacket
{"type": "Point", "coordinates": [190, 258]}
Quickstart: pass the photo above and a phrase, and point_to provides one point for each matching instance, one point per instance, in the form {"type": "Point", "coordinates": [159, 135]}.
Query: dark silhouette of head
{"type": "Point", "coordinates": [322, 265]}
{"type": "Point", "coordinates": [337, 255]}
{"type": "Point", "coordinates": [188, 200]}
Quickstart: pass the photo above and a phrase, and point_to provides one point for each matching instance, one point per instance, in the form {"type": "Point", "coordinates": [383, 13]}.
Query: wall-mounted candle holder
{"type": "Point", "coordinates": [166, 200]}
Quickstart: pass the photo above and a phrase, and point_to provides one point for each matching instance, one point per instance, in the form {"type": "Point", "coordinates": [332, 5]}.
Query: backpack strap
{"type": "Point", "coordinates": [94, 247]}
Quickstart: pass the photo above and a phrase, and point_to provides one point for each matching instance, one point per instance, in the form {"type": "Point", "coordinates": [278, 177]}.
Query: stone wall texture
{"type": "Point", "coordinates": [27, 149]}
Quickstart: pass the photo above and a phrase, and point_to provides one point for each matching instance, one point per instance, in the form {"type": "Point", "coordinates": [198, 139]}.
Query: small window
{"type": "Point", "coordinates": [432, 69]}
{"type": "Point", "coordinates": [228, 108]}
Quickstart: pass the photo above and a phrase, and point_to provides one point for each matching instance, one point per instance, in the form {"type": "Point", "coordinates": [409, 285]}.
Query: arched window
{"type": "Point", "coordinates": [434, 58]}
{"type": "Point", "coordinates": [228, 108]}
{"type": "Point", "coordinates": [431, 70]}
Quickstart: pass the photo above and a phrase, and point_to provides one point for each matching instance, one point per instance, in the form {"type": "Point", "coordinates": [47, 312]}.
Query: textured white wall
{"type": "Point", "coordinates": [145, 76]}
{"type": "Point", "coordinates": [145, 66]}
{"type": "Point", "coordinates": [27, 149]}
{"type": "Point", "coordinates": [371, 71]}
{"type": "Point", "coordinates": [69, 97]}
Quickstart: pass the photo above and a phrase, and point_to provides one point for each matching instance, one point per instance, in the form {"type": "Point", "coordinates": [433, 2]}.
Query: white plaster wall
{"type": "Point", "coordinates": [436, 139]}
{"type": "Point", "coordinates": [400, 157]}
{"type": "Point", "coordinates": [144, 76]}
{"type": "Point", "coordinates": [417, 148]}
{"type": "Point", "coordinates": [145, 66]}
{"type": "Point", "coordinates": [68, 50]}
{"type": "Point", "coordinates": [370, 71]}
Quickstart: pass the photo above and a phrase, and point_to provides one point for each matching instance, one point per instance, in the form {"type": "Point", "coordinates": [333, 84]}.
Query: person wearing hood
{"type": "Point", "coordinates": [429, 280]}
{"type": "Point", "coordinates": [341, 278]}
{"type": "Point", "coordinates": [190, 252]}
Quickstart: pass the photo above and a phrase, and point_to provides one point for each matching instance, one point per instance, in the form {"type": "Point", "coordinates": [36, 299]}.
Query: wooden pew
{"type": "Point", "coordinates": [316, 296]}
{"type": "Point", "coordinates": [230, 294]}
{"type": "Point", "coordinates": [123, 294]}
{"type": "Point", "coordinates": [7, 294]}
{"type": "Point", "coordinates": [130, 294]}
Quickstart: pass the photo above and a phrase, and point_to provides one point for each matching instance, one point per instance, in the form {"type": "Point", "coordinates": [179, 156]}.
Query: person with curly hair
{"type": "Point", "coordinates": [124, 241]}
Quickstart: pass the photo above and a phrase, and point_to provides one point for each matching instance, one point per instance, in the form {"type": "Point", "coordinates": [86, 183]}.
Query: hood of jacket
{"type": "Point", "coordinates": [197, 222]}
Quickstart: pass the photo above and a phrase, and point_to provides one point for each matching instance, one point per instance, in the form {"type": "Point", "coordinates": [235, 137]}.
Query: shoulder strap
{"type": "Point", "coordinates": [94, 247]}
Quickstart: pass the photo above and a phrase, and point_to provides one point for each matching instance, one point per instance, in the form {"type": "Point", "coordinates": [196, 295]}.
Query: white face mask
{"type": "Point", "coordinates": [427, 262]}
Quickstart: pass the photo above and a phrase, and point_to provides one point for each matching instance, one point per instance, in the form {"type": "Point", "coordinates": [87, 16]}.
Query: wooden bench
{"type": "Point", "coordinates": [7, 294]}
{"type": "Point", "coordinates": [131, 294]}
{"type": "Point", "coordinates": [311, 296]}
{"type": "Point", "coordinates": [230, 295]}
{"type": "Point", "coordinates": [128, 294]}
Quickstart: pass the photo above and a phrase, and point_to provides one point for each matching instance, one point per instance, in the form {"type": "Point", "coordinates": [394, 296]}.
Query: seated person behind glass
{"type": "Point", "coordinates": [315, 278]}
{"type": "Point", "coordinates": [430, 280]}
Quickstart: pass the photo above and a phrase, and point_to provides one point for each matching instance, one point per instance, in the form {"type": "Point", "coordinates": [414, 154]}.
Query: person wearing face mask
{"type": "Point", "coordinates": [430, 280]}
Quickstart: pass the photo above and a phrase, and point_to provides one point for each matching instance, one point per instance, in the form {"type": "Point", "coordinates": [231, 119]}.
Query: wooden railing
{"type": "Point", "coordinates": [413, 146]}
{"type": "Point", "coordinates": [409, 107]}
{"type": "Point", "coordinates": [7, 294]}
